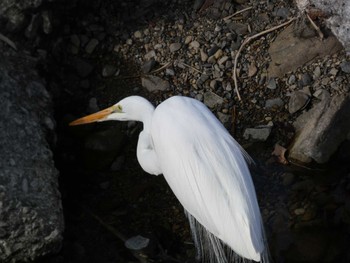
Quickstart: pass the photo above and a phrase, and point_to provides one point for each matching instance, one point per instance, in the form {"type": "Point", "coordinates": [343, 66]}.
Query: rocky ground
{"type": "Point", "coordinates": [102, 51]}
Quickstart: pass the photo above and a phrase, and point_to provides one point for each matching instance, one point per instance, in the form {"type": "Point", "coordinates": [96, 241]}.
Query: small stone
{"type": "Point", "coordinates": [252, 69]}
{"type": "Point", "coordinates": [299, 211]}
{"type": "Point", "coordinates": [260, 133]}
{"type": "Point", "coordinates": [169, 72]}
{"type": "Point", "coordinates": [333, 72]}
{"type": "Point", "coordinates": [138, 34]}
{"type": "Point", "coordinates": [272, 84]}
{"type": "Point", "coordinates": [224, 118]}
{"type": "Point", "coordinates": [345, 66]}
{"type": "Point", "coordinates": [211, 99]}
{"type": "Point", "coordinates": [47, 24]}
{"type": "Point", "coordinates": [298, 100]}
{"type": "Point", "coordinates": [148, 66]}
{"type": "Point", "coordinates": [282, 12]}
{"type": "Point", "coordinates": [137, 242]}
{"type": "Point", "coordinates": [204, 56]}
{"type": "Point", "coordinates": [321, 94]}
{"type": "Point", "coordinates": [129, 42]}
{"type": "Point", "coordinates": [188, 39]}
{"type": "Point", "coordinates": [194, 44]}
{"type": "Point", "coordinates": [213, 84]}
{"type": "Point", "coordinates": [239, 28]}
{"type": "Point", "coordinates": [223, 60]}
{"type": "Point", "coordinates": [213, 50]}
{"type": "Point", "coordinates": [291, 80]}
{"type": "Point", "coordinates": [154, 83]}
{"type": "Point", "coordinates": [218, 54]}
{"type": "Point", "coordinates": [306, 79]}
{"type": "Point", "coordinates": [199, 97]}
{"type": "Point", "coordinates": [174, 47]}
{"type": "Point", "coordinates": [108, 70]}
{"type": "Point", "coordinates": [272, 103]}
{"type": "Point", "coordinates": [149, 55]}
{"type": "Point", "coordinates": [317, 73]}
{"type": "Point", "coordinates": [91, 45]}
{"type": "Point", "coordinates": [212, 60]}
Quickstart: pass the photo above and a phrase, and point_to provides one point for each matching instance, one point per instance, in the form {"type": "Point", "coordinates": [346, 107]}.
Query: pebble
{"type": "Point", "coordinates": [137, 242]}
{"type": "Point", "coordinates": [297, 101]}
{"type": "Point", "coordinates": [224, 118]}
{"type": "Point", "coordinates": [317, 73]}
{"type": "Point", "coordinates": [91, 45]}
{"type": "Point", "coordinates": [291, 80]}
{"type": "Point", "coordinates": [188, 39]}
{"type": "Point", "coordinates": [333, 72]}
{"type": "Point", "coordinates": [271, 103]}
{"type": "Point", "coordinates": [169, 72]}
{"type": "Point", "coordinates": [150, 54]}
{"type": "Point", "coordinates": [299, 211]}
{"type": "Point", "coordinates": [272, 84]}
{"type": "Point", "coordinates": [154, 83]}
{"type": "Point", "coordinates": [174, 47]}
{"type": "Point", "coordinates": [194, 44]}
{"type": "Point", "coordinates": [109, 70]}
{"type": "Point", "coordinates": [204, 56]}
{"type": "Point", "coordinates": [345, 66]}
{"type": "Point", "coordinates": [213, 84]}
{"type": "Point", "coordinates": [222, 60]}
{"type": "Point", "coordinates": [306, 79]}
{"type": "Point", "coordinates": [321, 94]}
{"type": "Point", "coordinates": [252, 69]}
{"type": "Point", "coordinates": [138, 34]}
{"type": "Point", "coordinates": [239, 28]}
{"type": "Point", "coordinates": [260, 133]}
{"type": "Point", "coordinates": [282, 12]}
{"type": "Point", "coordinates": [212, 60]}
{"type": "Point", "coordinates": [148, 66]}
{"type": "Point", "coordinates": [213, 50]}
{"type": "Point", "coordinates": [218, 54]}
{"type": "Point", "coordinates": [211, 99]}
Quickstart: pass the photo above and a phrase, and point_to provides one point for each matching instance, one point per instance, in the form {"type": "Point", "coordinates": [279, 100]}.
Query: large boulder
{"type": "Point", "coordinates": [31, 218]}
{"type": "Point", "coordinates": [322, 129]}
{"type": "Point", "coordinates": [336, 14]}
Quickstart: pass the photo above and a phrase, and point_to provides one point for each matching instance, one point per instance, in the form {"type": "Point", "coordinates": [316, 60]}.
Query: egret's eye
{"type": "Point", "coordinates": [118, 108]}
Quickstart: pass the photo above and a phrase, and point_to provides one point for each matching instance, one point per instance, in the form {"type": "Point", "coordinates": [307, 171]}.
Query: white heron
{"type": "Point", "coordinates": [205, 168]}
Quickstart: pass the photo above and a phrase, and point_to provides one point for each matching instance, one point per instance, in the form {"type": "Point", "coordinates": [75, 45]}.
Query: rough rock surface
{"type": "Point", "coordinates": [322, 129]}
{"type": "Point", "coordinates": [287, 44]}
{"type": "Point", "coordinates": [31, 220]}
{"type": "Point", "coordinates": [338, 17]}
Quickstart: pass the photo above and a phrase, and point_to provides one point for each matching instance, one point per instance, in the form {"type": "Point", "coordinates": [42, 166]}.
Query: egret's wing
{"type": "Point", "coordinates": [207, 172]}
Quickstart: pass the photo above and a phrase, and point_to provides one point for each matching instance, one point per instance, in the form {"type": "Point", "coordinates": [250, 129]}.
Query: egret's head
{"type": "Point", "coordinates": [130, 108]}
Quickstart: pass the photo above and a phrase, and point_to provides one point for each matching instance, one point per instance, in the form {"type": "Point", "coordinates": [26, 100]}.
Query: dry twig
{"type": "Point", "coordinates": [8, 41]}
{"type": "Point", "coordinates": [162, 67]}
{"type": "Point", "coordinates": [238, 12]}
{"type": "Point", "coordinates": [319, 32]}
{"type": "Point", "coordinates": [193, 68]}
{"type": "Point", "coordinates": [245, 42]}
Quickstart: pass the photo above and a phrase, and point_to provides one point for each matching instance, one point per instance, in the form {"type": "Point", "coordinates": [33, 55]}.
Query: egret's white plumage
{"type": "Point", "coordinates": [206, 169]}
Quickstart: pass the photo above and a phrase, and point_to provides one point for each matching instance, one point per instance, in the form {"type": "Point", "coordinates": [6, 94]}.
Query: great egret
{"type": "Point", "coordinates": [206, 169]}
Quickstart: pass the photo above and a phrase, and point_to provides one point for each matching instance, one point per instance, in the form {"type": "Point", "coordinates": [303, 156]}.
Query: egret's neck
{"type": "Point", "coordinates": [146, 114]}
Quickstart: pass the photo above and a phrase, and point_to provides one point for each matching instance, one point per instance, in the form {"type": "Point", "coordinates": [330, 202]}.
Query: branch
{"type": "Point", "coordinates": [238, 12]}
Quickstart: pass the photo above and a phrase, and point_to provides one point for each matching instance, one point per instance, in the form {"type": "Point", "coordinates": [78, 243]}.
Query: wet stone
{"type": "Point", "coordinates": [91, 45]}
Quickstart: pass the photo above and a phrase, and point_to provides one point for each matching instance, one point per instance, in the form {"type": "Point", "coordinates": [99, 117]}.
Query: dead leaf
{"type": "Point", "coordinates": [280, 152]}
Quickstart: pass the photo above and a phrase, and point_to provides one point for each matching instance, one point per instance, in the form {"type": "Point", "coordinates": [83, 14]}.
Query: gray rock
{"type": "Point", "coordinates": [291, 80]}
{"type": "Point", "coordinates": [169, 72]}
{"type": "Point", "coordinates": [174, 47]}
{"type": "Point", "coordinates": [317, 72]}
{"type": "Point", "coordinates": [31, 219]}
{"type": "Point", "coordinates": [345, 66]}
{"type": "Point", "coordinates": [148, 66]}
{"type": "Point", "coordinates": [272, 84]}
{"type": "Point", "coordinates": [322, 129]}
{"type": "Point", "coordinates": [260, 133]}
{"type": "Point", "coordinates": [271, 103]}
{"type": "Point", "coordinates": [213, 50]}
{"type": "Point", "coordinates": [321, 94]}
{"type": "Point", "coordinates": [338, 17]}
{"type": "Point", "coordinates": [194, 44]}
{"type": "Point", "coordinates": [93, 107]}
{"type": "Point", "coordinates": [109, 70]}
{"type": "Point", "coordinates": [211, 99]}
{"type": "Point", "coordinates": [137, 242]}
{"type": "Point", "coordinates": [297, 101]}
{"type": "Point", "coordinates": [204, 56]}
{"type": "Point", "coordinates": [282, 12]}
{"type": "Point", "coordinates": [306, 79]}
{"type": "Point", "coordinates": [239, 28]}
{"type": "Point", "coordinates": [154, 83]}
{"type": "Point", "coordinates": [91, 45]}
{"type": "Point", "coordinates": [224, 118]}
